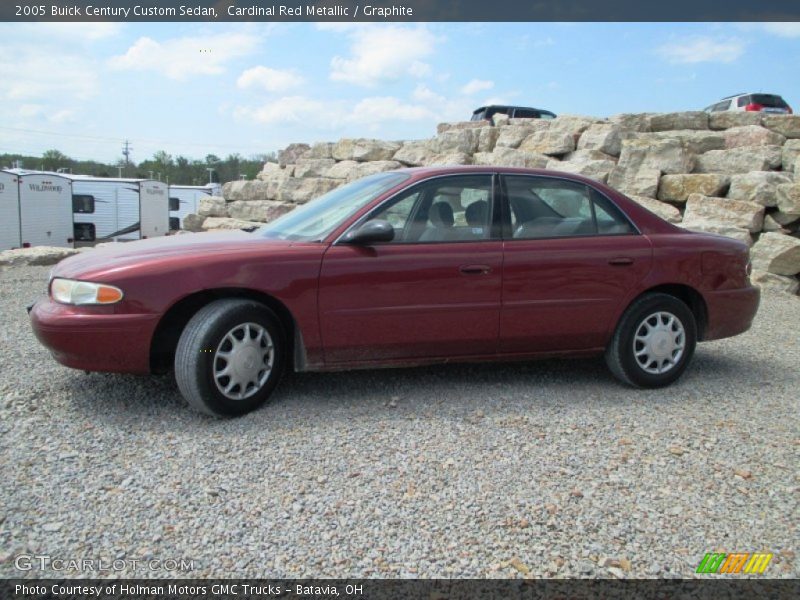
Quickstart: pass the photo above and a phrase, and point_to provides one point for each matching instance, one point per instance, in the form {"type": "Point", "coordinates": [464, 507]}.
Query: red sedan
{"type": "Point", "coordinates": [403, 268]}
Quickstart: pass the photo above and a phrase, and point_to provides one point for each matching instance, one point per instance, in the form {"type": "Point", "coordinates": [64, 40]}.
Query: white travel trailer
{"type": "Point", "coordinates": [45, 209]}
{"type": "Point", "coordinates": [185, 200]}
{"type": "Point", "coordinates": [9, 211]}
{"type": "Point", "coordinates": [110, 209]}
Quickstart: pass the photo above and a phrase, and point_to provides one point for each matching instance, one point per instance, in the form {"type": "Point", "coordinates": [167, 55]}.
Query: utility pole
{"type": "Point", "coordinates": [210, 171]}
{"type": "Point", "coordinates": [126, 151]}
{"type": "Point", "coordinates": [119, 172]}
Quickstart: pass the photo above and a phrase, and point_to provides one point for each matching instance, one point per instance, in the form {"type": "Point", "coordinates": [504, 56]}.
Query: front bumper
{"type": "Point", "coordinates": [731, 312]}
{"type": "Point", "coordinates": [90, 340]}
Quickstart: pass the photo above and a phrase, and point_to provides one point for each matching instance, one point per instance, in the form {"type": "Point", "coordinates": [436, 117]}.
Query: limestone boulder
{"type": "Point", "coordinates": [632, 181]}
{"type": "Point", "coordinates": [598, 170]}
{"type": "Point", "coordinates": [370, 168]}
{"type": "Point", "coordinates": [448, 159]}
{"type": "Point", "coordinates": [487, 138]}
{"type": "Point", "coordinates": [786, 125]}
{"type": "Point", "coordinates": [695, 141]}
{"type": "Point", "coordinates": [253, 189]}
{"type": "Point", "coordinates": [574, 125]}
{"type": "Point", "coordinates": [723, 211]}
{"type": "Point", "coordinates": [752, 135]}
{"type": "Point", "coordinates": [739, 160]}
{"type": "Point", "coordinates": [632, 121]}
{"type": "Point", "coordinates": [511, 137]}
{"type": "Point", "coordinates": [736, 233]}
{"type": "Point", "coordinates": [258, 210]}
{"type": "Point", "coordinates": [442, 127]}
{"type": "Point", "coordinates": [192, 222]}
{"type": "Point", "coordinates": [212, 206]}
{"type": "Point", "coordinates": [313, 167]}
{"type": "Point", "coordinates": [500, 119]}
{"type": "Point", "coordinates": [789, 199]}
{"type": "Point", "coordinates": [728, 118]}
{"type": "Point", "coordinates": [301, 190]}
{"type": "Point", "coordinates": [270, 169]}
{"type": "Point", "coordinates": [665, 155]}
{"type": "Point", "coordinates": [776, 253]}
{"type": "Point", "coordinates": [464, 141]}
{"type": "Point", "coordinates": [344, 170]}
{"type": "Point", "coordinates": [321, 150]}
{"type": "Point", "coordinates": [216, 223]}
{"type": "Point", "coordinates": [412, 154]}
{"type": "Point", "coordinates": [510, 157]}
{"type": "Point", "coordinates": [770, 224]}
{"type": "Point", "coordinates": [290, 154]}
{"type": "Point", "coordinates": [38, 256]}
{"type": "Point", "coordinates": [662, 209]}
{"type": "Point", "coordinates": [362, 149]}
{"type": "Point", "coordinates": [757, 186]}
{"type": "Point", "coordinates": [679, 120]}
{"type": "Point", "coordinates": [677, 188]}
{"type": "Point", "coordinates": [603, 137]}
{"type": "Point", "coordinates": [789, 155]}
{"type": "Point", "coordinates": [550, 142]}
{"type": "Point", "coordinates": [580, 156]}
{"type": "Point", "coordinates": [769, 282]}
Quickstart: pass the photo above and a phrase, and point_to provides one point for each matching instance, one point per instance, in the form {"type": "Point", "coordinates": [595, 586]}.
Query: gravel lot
{"type": "Point", "coordinates": [540, 469]}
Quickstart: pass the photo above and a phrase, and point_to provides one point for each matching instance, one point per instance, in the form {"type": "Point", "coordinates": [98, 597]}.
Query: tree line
{"type": "Point", "coordinates": [178, 170]}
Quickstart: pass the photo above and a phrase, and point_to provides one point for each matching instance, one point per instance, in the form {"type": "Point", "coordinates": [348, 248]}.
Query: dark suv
{"type": "Point", "coordinates": [485, 113]}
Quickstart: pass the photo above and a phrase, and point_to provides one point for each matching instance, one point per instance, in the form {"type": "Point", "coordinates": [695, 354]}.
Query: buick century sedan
{"type": "Point", "coordinates": [403, 268]}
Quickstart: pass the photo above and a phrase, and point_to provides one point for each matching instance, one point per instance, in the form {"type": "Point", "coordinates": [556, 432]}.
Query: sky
{"type": "Point", "coordinates": [194, 89]}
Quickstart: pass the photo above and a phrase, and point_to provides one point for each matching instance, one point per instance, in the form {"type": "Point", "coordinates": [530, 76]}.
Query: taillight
{"type": "Point", "coordinates": [753, 107]}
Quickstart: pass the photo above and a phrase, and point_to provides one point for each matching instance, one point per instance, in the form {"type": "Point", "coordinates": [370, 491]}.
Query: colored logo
{"type": "Point", "coordinates": [741, 562]}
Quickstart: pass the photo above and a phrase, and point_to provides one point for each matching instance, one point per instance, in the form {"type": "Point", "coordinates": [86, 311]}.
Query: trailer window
{"type": "Point", "coordinates": [174, 204]}
{"type": "Point", "coordinates": [84, 232]}
{"type": "Point", "coordinates": [174, 223]}
{"type": "Point", "coordinates": [82, 203]}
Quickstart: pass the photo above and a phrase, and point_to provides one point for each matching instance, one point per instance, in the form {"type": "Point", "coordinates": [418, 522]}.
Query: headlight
{"type": "Point", "coordinates": [69, 291]}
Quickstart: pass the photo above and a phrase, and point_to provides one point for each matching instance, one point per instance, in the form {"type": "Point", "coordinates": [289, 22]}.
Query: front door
{"type": "Point", "coordinates": [434, 291]}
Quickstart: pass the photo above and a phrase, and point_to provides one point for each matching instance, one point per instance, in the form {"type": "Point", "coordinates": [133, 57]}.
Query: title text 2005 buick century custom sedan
{"type": "Point", "coordinates": [404, 268]}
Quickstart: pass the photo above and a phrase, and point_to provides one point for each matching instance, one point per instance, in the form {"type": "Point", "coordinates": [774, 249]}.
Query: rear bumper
{"type": "Point", "coordinates": [730, 312]}
{"type": "Point", "coordinates": [91, 341]}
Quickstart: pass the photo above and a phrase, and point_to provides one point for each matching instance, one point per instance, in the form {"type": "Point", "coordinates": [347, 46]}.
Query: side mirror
{"type": "Point", "coordinates": [370, 232]}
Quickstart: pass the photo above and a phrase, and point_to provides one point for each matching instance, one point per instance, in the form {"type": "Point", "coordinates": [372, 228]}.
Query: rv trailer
{"type": "Point", "coordinates": [9, 211]}
{"type": "Point", "coordinates": [185, 200]}
{"type": "Point", "coordinates": [105, 209]}
{"type": "Point", "coordinates": [45, 209]}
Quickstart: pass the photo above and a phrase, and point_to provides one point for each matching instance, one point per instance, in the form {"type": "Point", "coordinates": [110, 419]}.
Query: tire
{"type": "Point", "coordinates": [230, 357]}
{"type": "Point", "coordinates": [653, 343]}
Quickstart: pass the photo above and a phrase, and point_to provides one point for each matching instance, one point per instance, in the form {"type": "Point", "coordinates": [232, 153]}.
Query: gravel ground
{"type": "Point", "coordinates": [541, 469]}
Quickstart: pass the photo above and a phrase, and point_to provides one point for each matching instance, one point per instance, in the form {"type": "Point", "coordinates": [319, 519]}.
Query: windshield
{"type": "Point", "coordinates": [316, 219]}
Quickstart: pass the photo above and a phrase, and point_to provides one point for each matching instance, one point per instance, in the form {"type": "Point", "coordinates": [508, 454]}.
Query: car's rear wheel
{"type": "Point", "coordinates": [654, 341]}
{"type": "Point", "coordinates": [230, 357]}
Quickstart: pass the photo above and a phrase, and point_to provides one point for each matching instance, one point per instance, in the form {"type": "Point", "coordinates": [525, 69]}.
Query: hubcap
{"type": "Point", "coordinates": [659, 342]}
{"type": "Point", "coordinates": [243, 361]}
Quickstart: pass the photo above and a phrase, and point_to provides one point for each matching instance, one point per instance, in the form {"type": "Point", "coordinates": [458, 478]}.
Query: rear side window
{"type": "Point", "coordinates": [524, 113]}
{"type": "Point", "coordinates": [174, 223]}
{"type": "Point", "coordinates": [82, 203]}
{"type": "Point", "coordinates": [542, 207]}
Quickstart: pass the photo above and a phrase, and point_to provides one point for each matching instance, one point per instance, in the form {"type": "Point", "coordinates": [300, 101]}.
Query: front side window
{"type": "Point", "coordinates": [543, 207]}
{"type": "Point", "coordinates": [445, 209]}
{"type": "Point", "coordinates": [174, 204]}
{"type": "Point", "coordinates": [316, 219]}
{"type": "Point", "coordinates": [82, 203]}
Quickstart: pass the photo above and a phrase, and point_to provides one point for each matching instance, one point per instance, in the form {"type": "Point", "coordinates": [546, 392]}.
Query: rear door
{"type": "Point", "coordinates": [45, 210]}
{"type": "Point", "coordinates": [9, 211]}
{"type": "Point", "coordinates": [432, 292]}
{"type": "Point", "coordinates": [570, 258]}
{"type": "Point", "coordinates": [153, 208]}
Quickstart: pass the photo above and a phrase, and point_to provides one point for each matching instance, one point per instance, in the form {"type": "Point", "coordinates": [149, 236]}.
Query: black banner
{"type": "Point", "coordinates": [401, 10]}
{"type": "Point", "coordinates": [715, 588]}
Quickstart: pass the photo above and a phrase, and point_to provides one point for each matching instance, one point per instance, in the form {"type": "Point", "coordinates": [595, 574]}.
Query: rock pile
{"type": "Point", "coordinates": [735, 174]}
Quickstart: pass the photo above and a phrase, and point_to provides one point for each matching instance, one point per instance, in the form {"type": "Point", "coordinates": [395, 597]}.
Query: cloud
{"type": "Point", "coordinates": [28, 72]}
{"type": "Point", "coordinates": [180, 58]}
{"type": "Point", "coordinates": [422, 93]}
{"type": "Point", "coordinates": [289, 109]}
{"type": "Point", "coordinates": [702, 49]}
{"type": "Point", "coordinates": [382, 53]}
{"type": "Point", "coordinates": [388, 108]}
{"type": "Point", "coordinates": [789, 30]}
{"type": "Point", "coordinates": [271, 80]}
{"type": "Point", "coordinates": [477, 85]}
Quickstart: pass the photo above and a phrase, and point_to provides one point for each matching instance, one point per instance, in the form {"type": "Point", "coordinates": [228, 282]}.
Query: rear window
{"type": "Point", "coordinates": [768, 100]}
{"type": "Point", "coordinates": [479, 114]}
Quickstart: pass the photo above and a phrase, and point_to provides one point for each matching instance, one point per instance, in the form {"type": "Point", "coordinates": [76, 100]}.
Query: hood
{"type": "Point", "coordinates": [120, 255]}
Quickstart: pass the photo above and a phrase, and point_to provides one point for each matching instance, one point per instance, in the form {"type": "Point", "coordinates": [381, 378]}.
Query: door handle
{"type": "Point", "coordinates": [621, 261]}
{"type": "Point", "coordinates": [475, 269]}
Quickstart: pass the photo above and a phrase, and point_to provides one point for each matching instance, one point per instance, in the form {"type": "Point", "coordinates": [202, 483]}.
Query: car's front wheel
{"type": "Point", "coordinates": [229, 357]}
{"type": "Point", "coordinates": [654, 341]}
